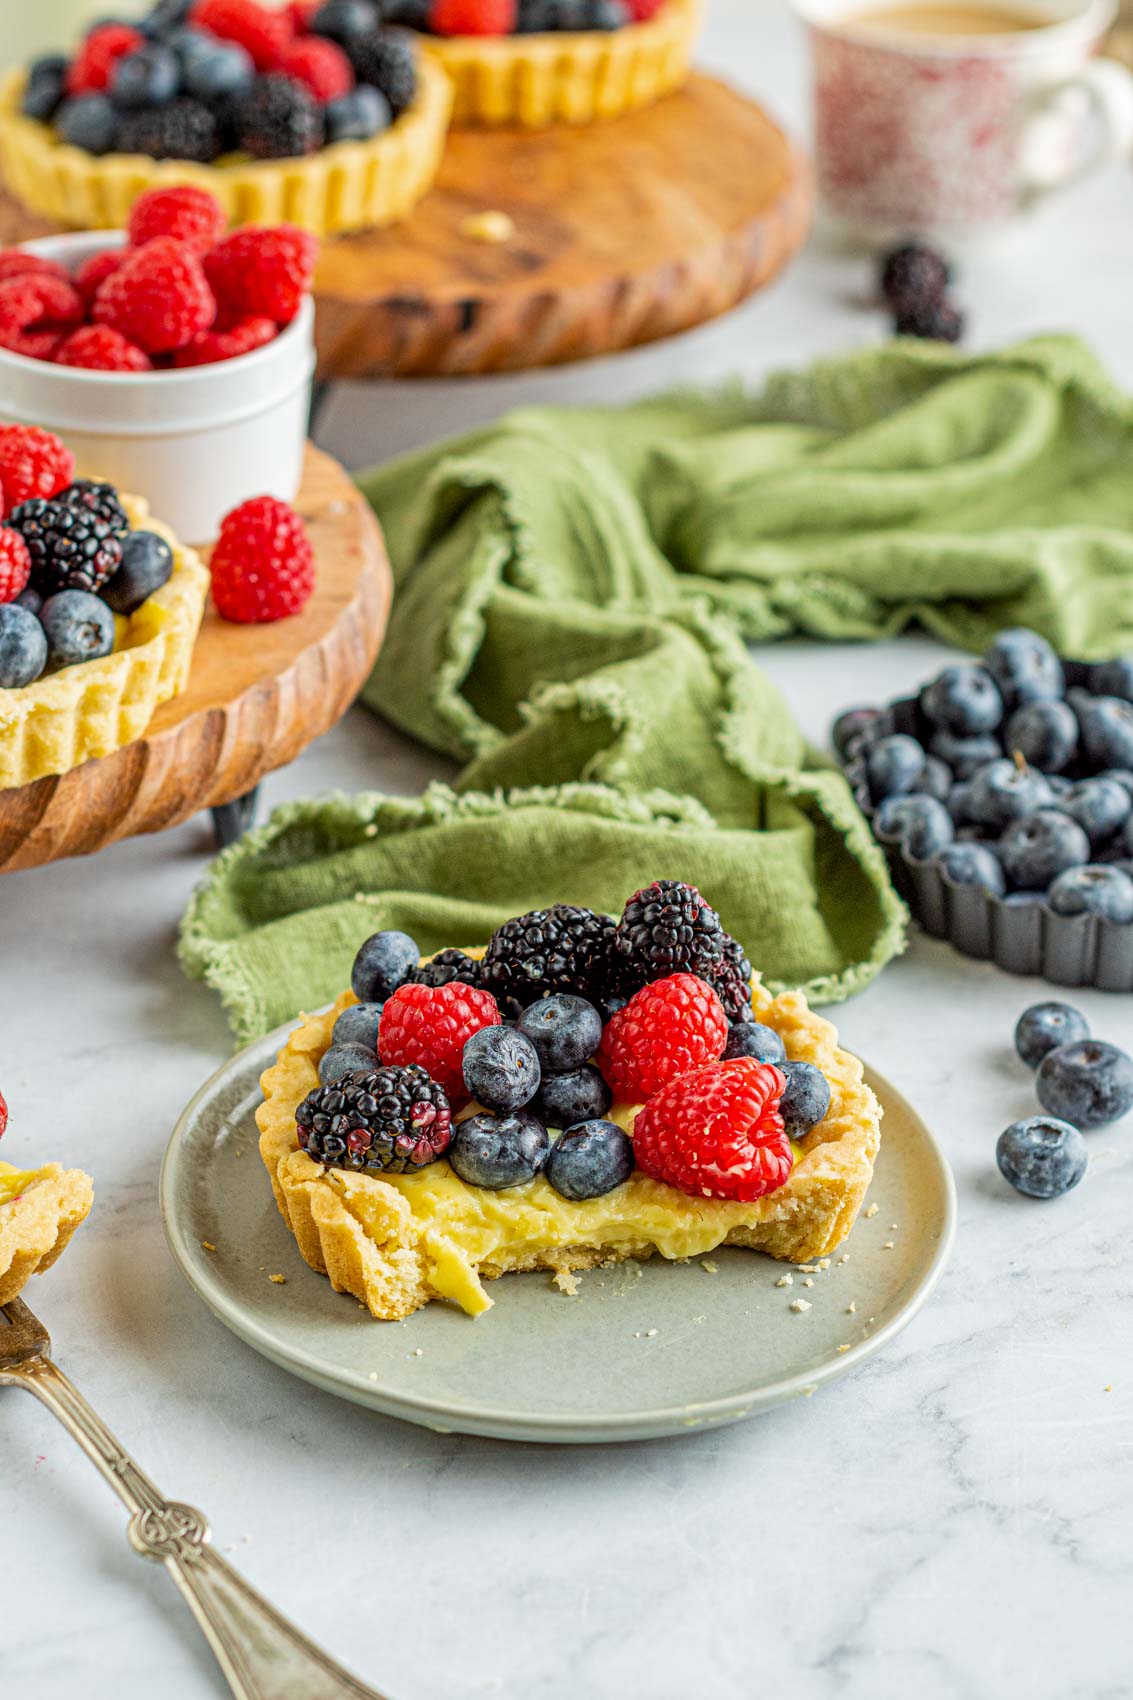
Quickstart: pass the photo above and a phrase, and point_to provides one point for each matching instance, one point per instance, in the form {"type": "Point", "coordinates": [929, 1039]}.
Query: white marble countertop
{"type": "Point", "coordinates": [952, 1522]}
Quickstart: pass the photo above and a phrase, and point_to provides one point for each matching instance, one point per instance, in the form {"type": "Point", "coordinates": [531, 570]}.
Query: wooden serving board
{"type": "Point", "coordinates": [257, 695]}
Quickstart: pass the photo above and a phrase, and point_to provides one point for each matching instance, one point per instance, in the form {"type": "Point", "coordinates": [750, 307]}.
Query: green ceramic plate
{"type": "Point", "coordinates": [641, 1351]}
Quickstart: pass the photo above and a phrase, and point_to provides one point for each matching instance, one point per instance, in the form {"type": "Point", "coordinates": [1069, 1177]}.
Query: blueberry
{"type": "Point", "coordinates": [806, 1099]}
{"type": "Point", "coordinates": [30, 599]}
{"type": "Point", "coordinates": [1044, 733]}
{"type": "Point", "coordinates": [1113, 678]}
{"type": "Point", "coordinates": [1086, 1082]}
{"type": "Point", "coordinates": [345, 21]}
{"type": "Point", "coordinates": [1100, 806]}
{"type": "Point", "coordinates": [567, 1099]}
{"type": "Point", "coordinates": [895, 765]}
{"type": "Point", "coordinates": [1025, 899]}
{"type": "Point", "coordinates": [590, 1160]}
{"type": "Point", "coordinates": [972, 864]}
{"type": "Point", "coordinates": [189, 44]}
{"type": "Point", "coordinates": [1024, 666]}
{"type": "Point", "coordinates": [753, 1039]}
{"type": "Point", "coordinates": [964, 756]}
{"type": "Point", "coordinates": [851, 727]}
{"type": "Point", "coordinates": [1041, 1157]}
{"type": "Point", "coordinates": [1002, 792]}
{"type": "Point", "coordinates": [358, 1025]}
{"type": "Point", "coordinates": [1045, 1026]}
{"type": "Point", "coordinates": [937, 780]}
{"type": "Point", "coordinates": [564, 1030]}
{"type": "Point", "coordinates": [46, 86]}
{"type": "Point", "coordinates": [501, 1068]}
{"type": "Point", "coordinates": [23, 647]}
{"type": "Point", "coordinates": [227, 69]}
{"type": "Point", "coordinates": [1125, 841]}
{"type": "Point", "coordinates": [960, 802]}
{"type": "Point", "coordinates": [147, 564]}
{"type": "Point", "coordinates": [1107, 731]}
{"type": "Point", "coordinates": [357, 115]}
{"type": "Point", "coordinates": [1122, 776]}
{"type": "Point", "coordinates": [499, 1151]}
{"type": "Point", "coordinates": [149, 77]}
{"type": "Point", "coordinates": [79, 627]}
{"type": "Point", "coordinates": [411, 14]}
{"type": "Point", "coordinates": [606, 15]}
{"type": "Point", "coordinates": [383, 964]}
{"type": "Point", "coordinates": [89, 121]}
{"type": "Point", "coordinates": [963, 699]}
{"type": "Point", "coordinates": [167, 15]}
{"type": "Point", "coordinates": [923, 825]}
{"type": "Point", "coordinates": [1094, 890]}
{"type": "Point", "coordinates": [1034, 850]}
{"type": "Point", "coordinates": [342, 1060]}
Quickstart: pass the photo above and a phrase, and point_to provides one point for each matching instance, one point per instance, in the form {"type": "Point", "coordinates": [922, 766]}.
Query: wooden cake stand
{"type": "Point", "coordinates": [622, 232]}
{"type": "Point", "coordinates": [257, 695]}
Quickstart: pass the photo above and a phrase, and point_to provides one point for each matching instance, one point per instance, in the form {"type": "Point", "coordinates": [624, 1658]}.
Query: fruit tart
{"type": "Point", "coordinates": [580, 1092]}
{"type": "Point", "coordinates": [283, 120]}
{"type": "Point", "coordinates": [39, 1211]}
{"type": "Point", "coordinates": [99, 610]}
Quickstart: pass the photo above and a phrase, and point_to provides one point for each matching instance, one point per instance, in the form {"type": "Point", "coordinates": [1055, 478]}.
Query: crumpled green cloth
{"type": "Point", "coordinates": [573, 592]}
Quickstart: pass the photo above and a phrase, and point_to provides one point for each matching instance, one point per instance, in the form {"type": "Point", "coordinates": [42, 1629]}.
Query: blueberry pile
{"type": "Point", "coordinates": [914, 282]}
{"type": "Point", "coordinates": [1015, 776]}
{"type": "Point", "coordinates": [87, 566]}
{"type": "Point", "coordinates": [1081, 1082]}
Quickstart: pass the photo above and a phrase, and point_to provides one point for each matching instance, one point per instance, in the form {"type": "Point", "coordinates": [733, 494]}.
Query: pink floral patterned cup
{"type": "Point", "coordinates": [952, 137]}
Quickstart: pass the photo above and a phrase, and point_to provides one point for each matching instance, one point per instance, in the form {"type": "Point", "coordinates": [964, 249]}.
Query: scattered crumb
{"type": "Point", "coordinates": [823, 1263]}
{"type": "Point", "coordinates": [710, 1268]}
{"type": "Point", "coordinates": [889, 1245]}
{"type": "Point", "coordinates": [1109, 1387]}
{"type": "Point", "coordinates": [279, 1280]}
{"type": "Point", "coordinates": [645, 1334]}
{"type": "Point", "coordinates": [873, 1209]}
{"type": "Point", "coordinates": [845, 1257]}
{"type": "Point", "coordinates": [705, 1319]}
{"type": "Point", "coordinates": [799, 1305]}
{"type": "Point", "coordinates": [490, 226]}
{"type": "Point", "coordinates": [417, 1352]}
{"type": "Point", "coordinates": [785, 1281]}
{"type": "Point", "coordinates": [207, 1245]}
{"type": "Point", "coordinates": [807, 1268]}
{"type": "Point", "coordinates": [370, 831]}
{"type": "Point", "coordinates": [247, 1540]}
{"type": "Point", "coordinates": [566, 1283]}
{"type": "Point", "coordinates": [892, 1227]}
{"type": "Point", "coordinates": [873, 1319]}
{"type": "Point", "coordinates": [852, 1308]}
{"type": "Point", "coordinates": [373, 1375]}
{"type": "Point", "coordinates": [808, 1282]}
{"type": "Point", "coordinates": [844, 1348]}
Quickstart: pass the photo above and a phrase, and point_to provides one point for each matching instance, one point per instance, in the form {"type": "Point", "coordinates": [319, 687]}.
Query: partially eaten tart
{"type": "Point", "coordinates": [39, 1211]}
{"type": "Point", "coordinates": [655, 1125]}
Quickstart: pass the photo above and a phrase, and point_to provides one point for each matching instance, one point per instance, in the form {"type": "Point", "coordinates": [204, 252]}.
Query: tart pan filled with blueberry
{"type": "Point", "coordinates": [1003, 796]}
{"type": "Point", "coordinates": [582, 1091]}
{"type": "Point", "coordinates": [280, 113]}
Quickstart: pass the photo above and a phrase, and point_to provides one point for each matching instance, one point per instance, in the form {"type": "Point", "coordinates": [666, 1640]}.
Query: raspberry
{"type": "Point", "coordinates": [473, 17]}
{"type": "Point", "coordinates": [430, 1026]}
{"type": "Point", "coordinates": [158, 297]}
{"type": "Point", "coordinates": [95, 270]}
{"type": "Point", "coordinates": [320, 66]}
{"type": "Point", "coordinates": [3, 1115]}
{"type": "Point", "coordinates": [716, 1132]}
{"type": "Point", "coordinates": [665, 1029]}
{"type": "Point", "coordinates": [263, 566]}
{"type": "Point", "coordinates": [32, 463]}
{"type": "Point", "coordinates": [188, 213]}
{"type": "Point", "coordinates": [100, 349]}
{"type": "Point", "coordinates": [301, 13]}
{"type": "Point", "coordinates": [17, 262]}
{"type": "Point", "coordinates": [33, 345]}
{"type": "Point", "coordinates": [264, 272]}
{"type": "Point", "coordinates": [15, 570]}
{"type": "Point", "coordinates": [260, 32]}
{"type": "Point", "coordinates": [240, 337]}
{"type": "Point", "coordinates": [91, 67]}
{"type": "Point", "coordinates": [642, 10]}
{"type": "Point", "coordinates": [36, 302]}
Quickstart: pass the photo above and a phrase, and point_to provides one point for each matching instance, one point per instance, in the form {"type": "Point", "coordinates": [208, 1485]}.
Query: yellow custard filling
{"type": "Point", "coordinates": [14, 1182]}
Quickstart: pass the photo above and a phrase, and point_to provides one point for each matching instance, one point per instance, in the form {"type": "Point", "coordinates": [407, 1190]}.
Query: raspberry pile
{"type": "Point", "coordinates": [181, 293]}
{"type": "Point", "coordinates": [914, 283]}
{"type": "Point", "coordinates": [204, 80]}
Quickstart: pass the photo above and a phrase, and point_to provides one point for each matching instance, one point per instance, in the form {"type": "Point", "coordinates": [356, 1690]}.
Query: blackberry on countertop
{"type": "Point", "coordinates": [183, 129]}
{"type": "Point", "coordinates": [667, 928]}
{"type": "Point", "coordinates": [71, 548]}
{"type": "Point", "coordinates": [98, 499]}
{"type": "Point", "coordinates": [561, 949]}
{"type": "Point", "coordinates": [383, 1120]}
{"type": "Point", "coordinates": [913, 272]}
{"type": "Point", "coordinates": [387, 61]}
{"type": "Point", "coordinates": [933, 321]}
{"type": "Point", "coordinates": [445, 967]}
{"type": "Point", "coordinates": [278, 119]}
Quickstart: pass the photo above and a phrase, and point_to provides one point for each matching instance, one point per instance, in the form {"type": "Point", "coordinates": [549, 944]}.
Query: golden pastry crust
{"type": "Point", "coordinates": [347, 186]}
{"type": "Point", "coordinates": [398, 1243]}
{"type": "Point", "coordinates": [568, 77]}
{"type": "Point", "coordinates": [94, 708]}
{"type": "Point", "coordinates": [36, 1225]}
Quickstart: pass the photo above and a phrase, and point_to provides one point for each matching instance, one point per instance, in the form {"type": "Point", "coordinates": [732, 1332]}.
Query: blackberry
{"type": "Point", "coordinates": [278, 119]}
{"type": "Point", "coordinates": [561, 949]}
{"type": "Point", "coordinates": [913, 272]}
{"type": "Point", "coordinates": [183, 129]}
{"type": "Point", "coordinates": [376, 1121]}
{"type": "Point", "coordinates": [98, 499]}
{"type": "Point", "coordinates": [71, 548]}
{"type": "Point", "coordinates": [445, 967]}
{"type": "Point", "coordinates": [389, 63]}
{"type": "Point", "coordinates": [933, 321]}
{"type": "Point", "coordinates": [731, 981]}
{"type": "Point", "coordinates": [668, 928]}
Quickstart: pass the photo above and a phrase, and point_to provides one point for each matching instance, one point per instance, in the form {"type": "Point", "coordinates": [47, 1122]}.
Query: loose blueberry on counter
{"type": "Point", "coordinates": [1113, 678]}
{"type": "Point", "coordinates": [1002, 792]}
{"type": "Point", "coordinates": [565, 1031]}
{"type": "Point", "coordinates": [147, 564]}
{"type": "Point", "coordinates": [1040, 847]}
{"type": "Point", "coordinates": [357, 115]}
{"type": "Point", "coordinates": [79, 627]}
{"type": "Point", "coordinates": [1024, 666]}
{"type": "Point", "coordinates": [806, 1099]}
{"type": "Point", "coordinates": [753, 1039]}
{"type": "Point", "coordinates": [851, 727]}
{"type": "Point", "coordinates": [1087, 1082]}
{"type": "Point", "coordinates": [501, 1068]}
{"type": "Point", "coordinates": [341, 1060]}
{"type": "Point", "coordinates": [384, 963]}
{"type": "Point", "coordinates": [499, 1151]}
{"type": "Point", "coordinates": [358, 1025]}
{"type": "Point", "coordinates": [972, 864]}
{"type": "Point", "coordinates": [23, 647]}
{"type": "Point", "coordinates": [1044, 733]}
{"type": "Point", "coordinates": [89, 122]}
{"type": "Point", "coordinates": [1094, 890]}
{"type": "Point", "coordinates": [895, 766]}
{"type": "Point", "coordinates": [963, 699]}
{"type": "Point", "coordinates": [581, 1095]}
{"type": "Point", "coordinates": [923, 825]}
{"type": "Point", "coordinates": [1107, 730]}
{"type": "Point", "coordinates": [590, 1160]}
{"type": "Point", "coordinates": [1100, 806]}
{"type": "Point", "coordinates": [965, 756]}
{"type": "Point", "coordinates": [1041, 1156]}
{"type": "Point", "coordinates": [1045, 1026]}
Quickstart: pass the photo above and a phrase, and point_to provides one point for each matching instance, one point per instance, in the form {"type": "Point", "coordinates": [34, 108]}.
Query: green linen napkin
{"type": "Point", "coordinates": [573, 592]}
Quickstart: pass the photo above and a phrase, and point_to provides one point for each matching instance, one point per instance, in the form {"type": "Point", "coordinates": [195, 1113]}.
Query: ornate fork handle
{"type": "Point", "coordinates": [260, 1653]}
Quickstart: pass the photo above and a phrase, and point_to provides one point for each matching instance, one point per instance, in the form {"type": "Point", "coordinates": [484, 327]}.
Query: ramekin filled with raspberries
{"type": "Point", "coordinates": [174, 357]}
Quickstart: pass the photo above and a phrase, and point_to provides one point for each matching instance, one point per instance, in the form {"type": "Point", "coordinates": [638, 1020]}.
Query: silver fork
{"type": "Point", "coordinates": [260, 1653]}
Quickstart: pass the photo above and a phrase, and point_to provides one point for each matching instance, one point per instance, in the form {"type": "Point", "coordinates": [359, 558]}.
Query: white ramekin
{"type": "Point", "coordinates": [194, 443]}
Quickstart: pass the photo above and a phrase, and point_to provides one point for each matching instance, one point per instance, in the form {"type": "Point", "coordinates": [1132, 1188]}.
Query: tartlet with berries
{"type": "Point", "coordinates": [40, 1209]}
{"type": "Point", "coordinates": [579, 1093]}
{"type": "Point", "coordinates": [279, 120]}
